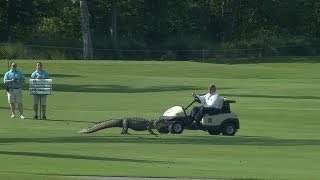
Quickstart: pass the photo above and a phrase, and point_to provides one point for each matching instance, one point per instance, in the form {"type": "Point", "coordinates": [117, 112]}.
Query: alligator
{"type": "Point", "coordinates": [134, 123]}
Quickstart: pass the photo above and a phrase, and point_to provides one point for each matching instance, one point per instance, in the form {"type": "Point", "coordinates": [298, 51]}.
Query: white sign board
{"type": "Point", "coordinates": [40, 86]}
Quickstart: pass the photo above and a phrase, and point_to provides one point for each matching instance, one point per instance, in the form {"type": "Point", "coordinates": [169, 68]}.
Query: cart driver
{"type": "Point", "coordinates": [210, 104]}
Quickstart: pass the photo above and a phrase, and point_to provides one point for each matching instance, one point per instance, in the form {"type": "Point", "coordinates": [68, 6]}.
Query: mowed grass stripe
{"type": "Point", "coordinates": [276, 103]}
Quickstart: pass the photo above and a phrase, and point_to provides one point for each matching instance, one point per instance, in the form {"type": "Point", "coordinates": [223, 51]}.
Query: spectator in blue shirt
{"type": "Point", "coordinates": [39, 73]}
{"type": "Point", "coordinates": [13, 80]}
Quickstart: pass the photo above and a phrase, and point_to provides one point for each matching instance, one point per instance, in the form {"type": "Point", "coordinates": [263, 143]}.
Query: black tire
{"type": "Point", "coordinates": [176, 127]}
{"type": "Point", "coordinates": [214, 132]}
{"type": "Point", "coordinates": [229, 129]}
{"type": "Point", "coordinates": [163, 130]}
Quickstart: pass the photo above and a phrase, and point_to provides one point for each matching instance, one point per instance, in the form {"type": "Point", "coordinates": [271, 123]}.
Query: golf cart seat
{"type": "Point", "coordinates": [219, 109]}
{"type": "Point", "coordinates": [224, 107]}
{"type": "Point", "coordinates": [221, 103]}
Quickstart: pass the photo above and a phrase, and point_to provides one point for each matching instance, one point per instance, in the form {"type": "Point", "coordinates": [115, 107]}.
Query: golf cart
{"type": "Point", "coordinates": [175, 120]}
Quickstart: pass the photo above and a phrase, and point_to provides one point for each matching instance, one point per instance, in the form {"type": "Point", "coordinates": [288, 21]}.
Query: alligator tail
{"type": "Point", "coordinates": [102, 125]}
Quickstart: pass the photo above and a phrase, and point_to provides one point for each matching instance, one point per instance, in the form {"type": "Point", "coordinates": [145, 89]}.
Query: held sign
{"type": "Point", "coordinates": [40, 86]}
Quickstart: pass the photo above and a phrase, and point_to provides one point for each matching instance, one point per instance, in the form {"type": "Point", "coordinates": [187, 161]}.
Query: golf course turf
{"type": "Point", "coordinates": [277, 104]}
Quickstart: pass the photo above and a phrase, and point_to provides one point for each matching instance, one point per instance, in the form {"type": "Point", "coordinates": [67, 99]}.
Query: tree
{"type": "Point", "coordinates": [113, 28]}
{"type": "Point", "coordinates": [11, 18]}
{"type": "Point", "coordinates": [86, 33]}
{"type": "Point", "coordinates": [235, 11]}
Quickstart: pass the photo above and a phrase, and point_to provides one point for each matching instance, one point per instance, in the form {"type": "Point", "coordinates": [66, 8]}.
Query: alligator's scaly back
{"type": "Point", "coordinates": [134, 123]}
{"type": "Point", "coordinates": [102, 125]}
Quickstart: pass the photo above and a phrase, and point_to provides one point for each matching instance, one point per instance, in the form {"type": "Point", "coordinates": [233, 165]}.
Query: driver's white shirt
{"type": "Point", "coordinates": [210, 100]}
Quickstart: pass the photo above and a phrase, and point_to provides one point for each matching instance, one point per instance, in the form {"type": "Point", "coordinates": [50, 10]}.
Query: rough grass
{"type": "Point", "coordinates": [277, 103]}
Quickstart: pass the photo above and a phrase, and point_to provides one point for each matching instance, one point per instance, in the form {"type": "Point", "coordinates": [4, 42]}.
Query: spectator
{"type": "Point", "coordinates": [39, 73]}
{"type": "Point", "coordinates": [13, 80]}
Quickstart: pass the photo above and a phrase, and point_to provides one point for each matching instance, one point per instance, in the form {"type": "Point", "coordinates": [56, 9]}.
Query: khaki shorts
{"type": "Point", "coordinates": [14, 96]}
{"type": "Point", "coordinates": [36, 99]}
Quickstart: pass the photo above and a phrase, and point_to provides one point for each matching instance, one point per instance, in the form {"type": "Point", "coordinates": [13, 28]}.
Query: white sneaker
{"type": "Point", "coordinates": [21, 116]}
{"type": "Point", "coordinates": [13, 116]}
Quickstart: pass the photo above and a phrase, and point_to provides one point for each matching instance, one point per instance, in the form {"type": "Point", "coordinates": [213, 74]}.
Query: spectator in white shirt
{"type": "Point", "coordinates": [210, 104]}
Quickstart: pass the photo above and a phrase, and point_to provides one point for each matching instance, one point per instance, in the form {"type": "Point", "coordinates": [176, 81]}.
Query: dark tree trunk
{"type": "Point", "coordinates": [85, 27]}
{"type": "Point", "coordinates": [235, 12]}
{"type": "Point", "coordinates": [230, 10]}
{"type": "Point", "coordinates": [113, 29]}
{"type": "Point", "coordinates": [11, 21]}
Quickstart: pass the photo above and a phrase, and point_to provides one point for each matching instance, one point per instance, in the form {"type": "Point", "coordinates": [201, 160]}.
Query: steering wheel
{"type": "Point", "coordinates": [196, 99]}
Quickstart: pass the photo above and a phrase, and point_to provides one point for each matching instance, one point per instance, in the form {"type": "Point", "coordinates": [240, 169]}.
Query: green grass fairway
{"type": "Point", "coordinates": [277, 104]}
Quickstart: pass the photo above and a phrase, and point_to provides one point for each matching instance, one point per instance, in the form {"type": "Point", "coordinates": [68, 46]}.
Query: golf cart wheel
{"type": "Point", "coordinates": [176, 127]}
{"type": "Point", "coordinates": [163, 130]}
{"type": "Point", "coordinates": [214, 132]}
{"type": "Point", "coordinates": [229, 129]}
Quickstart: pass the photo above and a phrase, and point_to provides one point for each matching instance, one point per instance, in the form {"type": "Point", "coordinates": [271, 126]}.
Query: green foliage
{"type": "Point", "coordinates": [183, 48]}
{"type": "Point", "coordinates": [133, 50]}
{"type": "Point", "coordinates": [20, 51]}
{"type": "Point", "coordinates": [154, 22]}
{"type": "Point", "coordinates": [271, 46]}
{"type": "Point", "coordinates": [14, 51]}
{"type": "Point", "coordinates": [175, 49]}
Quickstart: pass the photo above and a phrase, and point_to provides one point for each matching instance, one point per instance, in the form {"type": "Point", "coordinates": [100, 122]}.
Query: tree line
{"type": "Point", "coordinates": [161, 24]}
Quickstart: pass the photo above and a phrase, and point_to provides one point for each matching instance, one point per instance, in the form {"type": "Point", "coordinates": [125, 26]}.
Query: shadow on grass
{"type": "Point", "coordinates": [65, 75]}
{"type": "Point", "coordinates": [69, 121]}
{"type": "Point", "coordinates": [8, 107]}
{"type": "Point", "coordinates": [69, 156]}
{"type": "Point", "coordinates": [168, 139]}
{"type": "Point", "coordinates": [119, 89]}
{"type": "Point", "coordinates": [271, 96]}
{"type": "Point", "coordinates": [129, 89]}
{"type": "Point", "coordinates": [27, 76]}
